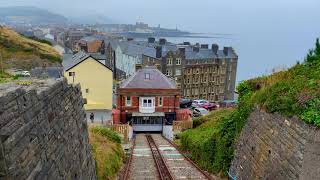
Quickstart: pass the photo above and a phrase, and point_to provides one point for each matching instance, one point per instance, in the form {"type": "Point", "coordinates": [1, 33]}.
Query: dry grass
{"type": "Point", "coordinates": [21, 52]}
{"type": "Point", "coordinates": [108, 154]}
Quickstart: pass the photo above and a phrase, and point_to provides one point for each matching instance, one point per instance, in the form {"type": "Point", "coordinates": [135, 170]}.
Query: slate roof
{"type": "Point", "coordinates": [208, 53]}
{"type": "Point", "coordinates": [70, 60]}
{"type": "Point", "coordinates": [157, 80]}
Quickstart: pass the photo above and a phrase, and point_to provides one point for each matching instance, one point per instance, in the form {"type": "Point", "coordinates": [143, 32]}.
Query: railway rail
{"type": "Point", "coordinates": [161, 165]}
{"type": "Point", "coordinates": [155, 157]}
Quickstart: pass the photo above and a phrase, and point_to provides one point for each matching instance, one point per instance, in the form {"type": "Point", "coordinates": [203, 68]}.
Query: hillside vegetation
{"type": "Point", "coordinates": [107, 151]}
{"type": "Point", "coordinates": [21, 52]}
{"type": "Point", "coordinates": [295, 92]}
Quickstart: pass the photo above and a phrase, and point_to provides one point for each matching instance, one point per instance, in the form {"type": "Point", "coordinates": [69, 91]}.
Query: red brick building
{"type": "Point", "coordinates": [147, 100]}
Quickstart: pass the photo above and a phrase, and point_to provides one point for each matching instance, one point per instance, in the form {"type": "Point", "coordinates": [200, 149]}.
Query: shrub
{"type": "Point", "coordinates": [105, 132]}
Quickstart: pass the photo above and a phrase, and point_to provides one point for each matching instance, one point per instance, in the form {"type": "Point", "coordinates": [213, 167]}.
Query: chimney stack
{"type": "Point", "coordinates": [162, 41]}
{"type": "Point", "coordinates": [151, 40]}
{"type": "Point", "coordinates": [225, 51]}
{"type": "Point", "coordinates": [215, 48]}
{"type": "Point", "coordinates": [196, 49]}
{"type": "Point", "coordinates": [158, 52]}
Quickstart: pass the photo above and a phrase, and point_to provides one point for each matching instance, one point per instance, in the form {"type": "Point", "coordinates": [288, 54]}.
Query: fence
{"type": "Point", "coordinates": [124, 129]}
{"type": "Point", "coordinates": [182, 125]}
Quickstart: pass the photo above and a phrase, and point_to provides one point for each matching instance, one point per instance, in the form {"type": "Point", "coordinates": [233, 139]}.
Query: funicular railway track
{"type": "Point", "coordinates": [161, 165]}
{"type": "Point", "coordinates": [154, 157]}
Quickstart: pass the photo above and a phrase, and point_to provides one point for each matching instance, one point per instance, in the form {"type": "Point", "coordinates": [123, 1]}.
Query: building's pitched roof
{"type": "Point", "coordinates": [157, 80]}
{"type": "Point", "coordinates": [70, 61]}
{"type": "Point", "coordinates": [208, 53]}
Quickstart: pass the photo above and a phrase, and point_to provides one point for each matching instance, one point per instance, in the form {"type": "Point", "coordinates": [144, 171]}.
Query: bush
{"type": "Point", "coordinates": [110, 135]}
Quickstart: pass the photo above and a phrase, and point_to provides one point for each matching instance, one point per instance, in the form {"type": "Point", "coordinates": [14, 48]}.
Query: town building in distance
{"type": "Point", "coordinates": [200, 71]}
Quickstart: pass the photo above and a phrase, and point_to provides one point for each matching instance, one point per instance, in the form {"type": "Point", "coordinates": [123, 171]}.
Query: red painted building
{"type": "Point", "coordinates": [147, 100]}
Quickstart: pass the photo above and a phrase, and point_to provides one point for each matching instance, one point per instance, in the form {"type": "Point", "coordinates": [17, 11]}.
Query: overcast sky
{"type": "Point", "coordinates": [266, 33]}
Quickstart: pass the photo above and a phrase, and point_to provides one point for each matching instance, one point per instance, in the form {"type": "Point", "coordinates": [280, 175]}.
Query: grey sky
{"type": "Point", "coordinates": [266, 33]}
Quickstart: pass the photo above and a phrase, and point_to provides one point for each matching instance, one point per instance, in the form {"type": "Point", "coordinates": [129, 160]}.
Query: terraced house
{"type": "Point", "coordinates": [200, 72]}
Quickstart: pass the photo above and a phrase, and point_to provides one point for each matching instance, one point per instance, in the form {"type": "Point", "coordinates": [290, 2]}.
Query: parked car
{"type": "Point", "coordinates": [209, 106]}
{"type": "Point", "coordinates": [205, 104]}
{"type": "Point", "coordinates": [197, 103]}
{"type": "Point", "coordinates": [197, 112]}
{"type": "Point", "coordinates": [185, 103]}
{"type": "Point", "coordinates": [25, 73]}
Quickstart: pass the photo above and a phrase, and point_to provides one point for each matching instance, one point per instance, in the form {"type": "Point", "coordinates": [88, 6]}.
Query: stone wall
{"type": "Point", "coordinates": [44, 132]}
{"type": "Point", "coordinates": [273, 147]}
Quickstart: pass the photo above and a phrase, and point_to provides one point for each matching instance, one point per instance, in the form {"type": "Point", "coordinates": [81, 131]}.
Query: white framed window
{"type": "Point", "coordinates": [169, 61]}
{"type": "Point", "coordinates": [178, 72]}
{"type": "Point", "coordinates": [178, 61]}
{"type": "Point", "coordinates": [128, 101]}
{"type": "Point", "coordinates": [147, 102]}
{"type": "Point", "coordinates": [160, 101]}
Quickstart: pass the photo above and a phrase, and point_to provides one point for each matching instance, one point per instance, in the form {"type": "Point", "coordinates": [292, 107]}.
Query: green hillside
{"type": "Point", "coordinates": [295, 92]}
{"type": "Point", "coordinates": [21, 52]}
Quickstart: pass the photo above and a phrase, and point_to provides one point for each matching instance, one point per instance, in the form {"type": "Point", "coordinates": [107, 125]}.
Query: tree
{"type": "Point", "coordinates": [313, 55]}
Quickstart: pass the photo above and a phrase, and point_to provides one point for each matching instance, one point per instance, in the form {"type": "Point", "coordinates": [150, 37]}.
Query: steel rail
{"type": "Point", "coordinates": [162, 167]}
{"type": "Point", "coordinates": [126, 175]}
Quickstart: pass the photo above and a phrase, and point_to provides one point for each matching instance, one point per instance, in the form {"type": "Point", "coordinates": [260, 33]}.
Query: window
{"type": "Point", "coordinates": [188, 80]}
{"type": "Point", "coordinates": [169, 61]}
{"type": "Point", "coordinates": [147, 76]}
{"type": "Point", "coordinates": [178, 61]}
{"type": "Point", "coordinates": [72, 73]}
{"type": "Point", "coordinates": [168, 72]}
{"type": "Point", "coordinates": [128, 101]}
{"type": "Point", "coordinates": [147, 102]}
{"type": "Point", "coordinates": [160, 101]}
{"type": "Point", "coordinates": [178, 72]}
{"type": "Point", "coordinates": [87, 90]}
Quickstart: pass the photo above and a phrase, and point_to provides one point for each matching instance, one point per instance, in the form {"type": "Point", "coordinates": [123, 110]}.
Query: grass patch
{"type": "Point", "coordinates": [107, 151]}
